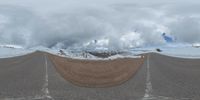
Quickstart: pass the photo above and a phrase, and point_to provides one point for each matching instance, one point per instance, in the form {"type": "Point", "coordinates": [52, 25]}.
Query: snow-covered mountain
{"type": "Point", "coordinates": [178, 50]}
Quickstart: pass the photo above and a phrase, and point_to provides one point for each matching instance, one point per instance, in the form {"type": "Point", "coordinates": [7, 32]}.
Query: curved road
{"type": "Point", "coordinates": [33, 77]}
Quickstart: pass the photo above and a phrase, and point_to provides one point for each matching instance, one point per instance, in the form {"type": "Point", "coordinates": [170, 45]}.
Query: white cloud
{"type": "Point", "coordinates": [132, 39]}
{"type": "Point", "coordinates": [68, 23]}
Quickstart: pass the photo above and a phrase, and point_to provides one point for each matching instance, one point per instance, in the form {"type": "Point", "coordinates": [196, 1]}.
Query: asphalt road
{"type": "Point", "coordinates": [174, 78]}
{"type": "Point", "coordinates": [33, 77]}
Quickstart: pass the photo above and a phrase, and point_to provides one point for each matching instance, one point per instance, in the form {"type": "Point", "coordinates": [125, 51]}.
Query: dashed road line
{"type": "Point", "coordinates": [45, 89]}
{"type": "Point", "coordinates": [148, 89]}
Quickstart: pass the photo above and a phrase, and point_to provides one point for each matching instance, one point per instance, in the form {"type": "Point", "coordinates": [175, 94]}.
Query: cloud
{"type": "Point", "coordinates": [123, 24]}
{"type": "Point", "coordinates": [186, 29]}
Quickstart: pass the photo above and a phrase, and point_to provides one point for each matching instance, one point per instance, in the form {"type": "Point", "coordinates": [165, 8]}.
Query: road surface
{"type": "Point", "coordinates": [34, 77]}
{"type": "Point", "coordinates": [174, 78]}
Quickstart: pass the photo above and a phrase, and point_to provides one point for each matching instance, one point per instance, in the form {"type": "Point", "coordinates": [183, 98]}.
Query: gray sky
{"type": "Point", "coordinates": [114, 23]}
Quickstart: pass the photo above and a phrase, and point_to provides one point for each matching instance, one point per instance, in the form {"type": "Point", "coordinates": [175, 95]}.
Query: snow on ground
{"type": "Point", "coordinates": [12, 52]}
{"type": "Point", "coordinates": [77, 54]}
{"type": "Point", "coordinates": [177, 50]}
{"type": "Point", "coordinates": [122, 56]}
{"type": "Point", "coordinates": [87, 56]}
{"type": "Point", "coordinates": [11, 46]}
{"type": "Point", "coordinates": [183, 52]}
{"type": "Point", "coordinates": [7, 51]}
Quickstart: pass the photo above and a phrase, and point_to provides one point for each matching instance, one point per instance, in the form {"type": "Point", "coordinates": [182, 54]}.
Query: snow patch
{"type": "Point", "coordinates": [10, 52]}
{"type": "Point", "coordinates": [182, 52]}
{"type": "Point", "coordinates": [11, 46]}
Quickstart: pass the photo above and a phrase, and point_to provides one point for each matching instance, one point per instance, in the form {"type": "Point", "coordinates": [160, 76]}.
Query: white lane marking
{"type": "Point", "coordinates": [148, 89]}
{"type": "Point", "coordinates": [45, 87]}
{"type": "Point", "coordinates": [165, 98]}
{"type": "Point", "coordinates": [45, 90]}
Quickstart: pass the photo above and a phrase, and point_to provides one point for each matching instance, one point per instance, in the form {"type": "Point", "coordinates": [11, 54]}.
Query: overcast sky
{"type": "Point", "coordinates": [114, 23]}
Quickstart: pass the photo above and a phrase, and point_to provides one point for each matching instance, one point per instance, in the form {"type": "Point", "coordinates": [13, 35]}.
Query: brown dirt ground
{"type": "Point", "coordinates": [101, 73]}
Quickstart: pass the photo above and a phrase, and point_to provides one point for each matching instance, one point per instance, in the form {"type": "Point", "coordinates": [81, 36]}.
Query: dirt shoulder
{"type": "Point", "coordinates": [101, 73]}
